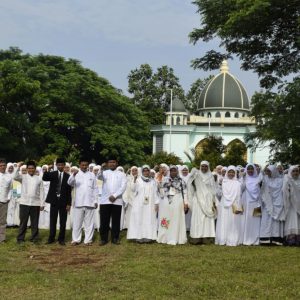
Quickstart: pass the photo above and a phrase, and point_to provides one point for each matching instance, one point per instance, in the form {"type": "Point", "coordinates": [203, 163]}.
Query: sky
{"type": "Point", "coordinates": [113, 37]}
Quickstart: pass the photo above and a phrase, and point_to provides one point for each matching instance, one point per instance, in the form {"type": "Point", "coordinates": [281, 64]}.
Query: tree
{"type": "Point", "coordinates": [192, 98]}
{"type": "Point", "coordinates": [211, 149]}
{"type": "Point", "coordinates": [151, 91]}
{"type": "Point", "coordinates": [162, 157]}
{"type": "Point", "coordinates": [234, 154]}
{"type": "Point", "coordinates": [277, 117]}
{"type": "Point", "coordinates": [50, 105]}
{"type": "Point", "coordinates": [263, 34]}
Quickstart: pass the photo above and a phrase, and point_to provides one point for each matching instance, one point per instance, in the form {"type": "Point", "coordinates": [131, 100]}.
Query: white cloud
{"type": "Point", "coordinates": [152, 23]}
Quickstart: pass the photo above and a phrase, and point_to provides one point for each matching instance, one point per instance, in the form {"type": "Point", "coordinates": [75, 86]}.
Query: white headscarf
{"type": "Point", "coordinates": [120, 168]}
{"type": "Point", "coordinates": [231, 188]}
{"type": "Point", "coordinates": [9, 165]}
{"type": "Point", "coordinates": [252, 183]}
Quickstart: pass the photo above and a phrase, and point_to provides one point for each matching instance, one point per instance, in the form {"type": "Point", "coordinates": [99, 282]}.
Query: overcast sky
{"type": "Point", "coordinates": [112, 37]}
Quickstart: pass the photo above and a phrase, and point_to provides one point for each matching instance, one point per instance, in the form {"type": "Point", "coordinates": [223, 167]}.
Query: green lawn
{"type": "Point", "coordinates": [146, 271]}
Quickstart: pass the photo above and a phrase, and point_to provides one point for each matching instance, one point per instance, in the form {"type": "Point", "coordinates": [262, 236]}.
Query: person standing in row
{"type": "Point", "coordinates": [59, 197]}
{"type": "Point", "coordinates": [111, 202]}
{"type": "Point", "coordinates": [31, 202]}
{"type": "Point", "coordinates": [5, 189]}
{"type": "Point", "coordinates": [86, 201]}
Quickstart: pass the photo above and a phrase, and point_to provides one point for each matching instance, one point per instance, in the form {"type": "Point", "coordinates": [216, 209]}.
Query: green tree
{"type": "Point", "coordinates": [211, 149]}
{"type": "Point", "coordinates": [151, 90]}
{"type": "Point", "coordinates": [263, 34]}
{"type": "Point", "coordinates": [278, 123]}
{"type": "Point", "coordinates": [50, 105]}
{"type": "Point", "coordinates": [162, 157]}
{"type": "Point", "coordinates": [234, 154]}
{"type": "Point", "coordinates": [192, 98]}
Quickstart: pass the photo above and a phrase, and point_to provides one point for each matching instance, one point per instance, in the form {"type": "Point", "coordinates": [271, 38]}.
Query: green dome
{"type": "Point", "coordinates": [177, 105]}
{"type": "Point", "coordinates": [224, 92]}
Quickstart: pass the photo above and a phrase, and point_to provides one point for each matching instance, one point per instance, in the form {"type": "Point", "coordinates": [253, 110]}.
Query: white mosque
{"type": "Point", "coordinates": [223, 110]}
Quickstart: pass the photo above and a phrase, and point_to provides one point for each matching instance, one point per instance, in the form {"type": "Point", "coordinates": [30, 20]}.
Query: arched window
{"type": "Point", "coordinates": [236, 115]}
{"type": "Point", "coordinates": [227, 115]}
{"type": "Point", "coordinates": [178, 121]}
{"type": "Point", "coordinates": [209, 115]}
{"type": "Point", "coordinates": [218, 114]}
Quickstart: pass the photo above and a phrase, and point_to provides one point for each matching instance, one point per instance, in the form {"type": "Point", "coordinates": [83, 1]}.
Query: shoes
{"type": "Point", "coordinates": [50, 242]}
{"type": "Point", "coordinates": [88, 244]}
{"type": "Point", "coordinates": [75, 244]}
{"type": "Point", "coordinates": [62, 243]}
{"type": "Point", "coordinates": [103, 243]}
{"type": "Point", "coordinates": [115, 241]}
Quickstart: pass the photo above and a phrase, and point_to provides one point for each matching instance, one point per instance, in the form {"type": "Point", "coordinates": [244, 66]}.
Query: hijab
{"type": "Point", "coordinates": [252, 183]}
{"type": "Point", "coordinates": [231, 188]}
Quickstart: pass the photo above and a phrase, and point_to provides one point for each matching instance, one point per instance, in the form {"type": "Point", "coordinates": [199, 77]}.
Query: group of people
{"type": "Point", "coordinates": [230, 206]}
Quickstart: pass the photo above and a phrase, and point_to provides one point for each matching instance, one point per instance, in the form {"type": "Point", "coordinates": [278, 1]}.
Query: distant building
{"type": "Point", "coordinates": [223, 110]}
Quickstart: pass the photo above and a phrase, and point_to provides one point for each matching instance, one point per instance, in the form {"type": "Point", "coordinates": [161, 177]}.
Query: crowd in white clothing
{"type": "Point", "coordinates": [230, 206]}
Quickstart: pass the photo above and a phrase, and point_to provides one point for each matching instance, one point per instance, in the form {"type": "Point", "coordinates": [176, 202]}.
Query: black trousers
{"type": "Point", "coordinates": [63, 214]}
{"type": "Point", "coordinates": [108, 211]}
{"type": "Point", "coordinates": [26, 212]}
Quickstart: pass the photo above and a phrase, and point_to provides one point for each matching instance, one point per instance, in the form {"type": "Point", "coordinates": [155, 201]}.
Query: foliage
{"type": "Point", "coordinates": [50, 105]}
{"type": "Point", "coordinates": [192, 98]}
{"type": "Point", "coordinates": [48, 159]}
{"type": "Point", "coordinates": [157, 271]}
{"type": "Point", "coordinates": [162, 157]}
{"type": "Point", "coordinates": [277, 117]}
{"type": "Point", "coordinates": [234, 154]}
{"type": "Point", "coordinates": [263, 34]}
{"type": "Point", "coordinates": [151, 91]}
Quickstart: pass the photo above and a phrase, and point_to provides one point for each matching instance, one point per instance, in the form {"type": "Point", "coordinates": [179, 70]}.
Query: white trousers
{"type": "Point", "coordinates": [83, 217]}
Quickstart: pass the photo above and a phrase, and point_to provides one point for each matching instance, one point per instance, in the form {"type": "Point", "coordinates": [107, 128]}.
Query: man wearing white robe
{"type": "Point", "coordinates": [32, 201]}
{"type": "Point", "coordinates": [202, 196]}
{"type": "Point", "coordinates": [111, 202]}
{"type": "Point", "coordinates": [86, 197]}
{"type": "Point", "coordinates": [145, 199]}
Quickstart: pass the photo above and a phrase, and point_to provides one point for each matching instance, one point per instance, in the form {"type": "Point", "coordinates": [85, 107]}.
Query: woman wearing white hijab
{"type": "Point", "coordinates": [185, 175]}
{"type": "Point", "coordinates": [173, 204]}
{"type": "Point", "coordinates": [229, 224]}
{"type": "Point", "coordinates": [13, 198]}
{"type": "Point", "coordinates": [128, 195]}
{"type": "Point", "coordinates": [291, 195]}
{"type": "Point", "coordinates": [271, 227]}
{"type": "Point", "coordinates": [252, 205]}
{"type": "Point", "coordinates": [202, 196]}
{"type": "Point", "coordinates": [145, 199]}
{"type": "Point", "coordinates": [44, 220]}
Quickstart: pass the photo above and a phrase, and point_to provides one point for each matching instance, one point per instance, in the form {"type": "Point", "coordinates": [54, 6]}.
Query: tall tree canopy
{"type": "Point", "coordinates": [50, 105]}
{"type": "Point", "coordinates": [151, 90]}
{"type": "Point", "coordinates": [264, 34]}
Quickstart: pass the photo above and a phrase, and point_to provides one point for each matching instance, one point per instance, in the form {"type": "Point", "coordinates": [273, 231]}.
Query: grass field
{"type": "Point", "coordinates": [151, 271]}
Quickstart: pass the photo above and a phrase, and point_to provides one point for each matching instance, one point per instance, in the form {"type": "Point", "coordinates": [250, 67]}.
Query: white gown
{"type": "Point", "coordinates": [229, 225]}
{"type": "Point", "coordinates": [272, 208]}
{"type": "Point", "coordinates": [291, 191]}
{"type": "Point", "coordinates": [142, 221]}
{"type": "Point", "coordinates": [172, 229]}
{"type": "Point", "coordinates": [202, 196]}
{"type": "Point", "coordinates": [251, 223]}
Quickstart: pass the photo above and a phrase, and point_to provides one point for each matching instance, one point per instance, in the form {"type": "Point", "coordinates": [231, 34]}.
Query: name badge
{"type": "Point", "coordinates": [172, 191]}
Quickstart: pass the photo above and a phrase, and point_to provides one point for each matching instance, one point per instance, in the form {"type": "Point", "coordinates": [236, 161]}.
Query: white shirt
{"type": "Point", "coordinates": [114, 184]}
{"type": "Point", "coordinates": [5, 187]}
{"type": "Point", "coordinates": [86, 189]}
{"type": "Point", "coordinates": [32, 190]}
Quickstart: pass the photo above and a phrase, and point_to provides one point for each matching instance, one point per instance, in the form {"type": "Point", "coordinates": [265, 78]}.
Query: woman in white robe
{"type": "Point", "coordinates": [291, 195]}
{"type": "Point", "coordinates": [128, 195]}
{"type": "Point", "coordinates": [185, 175]}
{"type": "Point", "coordinates": [271, 227]}
{"type": "Point", "coordinates": [13, 199]}
{"type": "Point", "coordinates": [229, 229]}
{"type": "Point", "coordinates": [202, 191]}
{"type": "Point", "coordinates": [173, 204]}
{"type": "Point", "coordinates": [145, 199]}
{"type": "Point", "coordinates": [251, 202]}
{"type": "Point", "coordinates": [44, 220]}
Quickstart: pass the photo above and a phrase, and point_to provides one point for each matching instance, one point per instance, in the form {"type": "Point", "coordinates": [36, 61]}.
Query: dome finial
{"type": "Point", "coordinates": [224, 66]}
